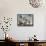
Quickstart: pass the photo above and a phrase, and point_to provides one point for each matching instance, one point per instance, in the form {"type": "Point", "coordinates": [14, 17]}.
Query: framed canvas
{"type": "Point", "coordinates": [24, 19]}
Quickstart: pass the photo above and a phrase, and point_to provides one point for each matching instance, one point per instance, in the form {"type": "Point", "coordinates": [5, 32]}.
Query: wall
{"type": "Point", "coordinates": [10, 8]}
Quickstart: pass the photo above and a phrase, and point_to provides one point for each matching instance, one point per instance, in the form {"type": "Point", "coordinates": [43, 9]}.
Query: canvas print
{"type": "Point", "coordinates": [25, 19]}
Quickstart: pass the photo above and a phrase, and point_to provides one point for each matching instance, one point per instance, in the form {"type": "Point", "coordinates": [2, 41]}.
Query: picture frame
{"type": "Point", "coordinates": [25, 19]}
